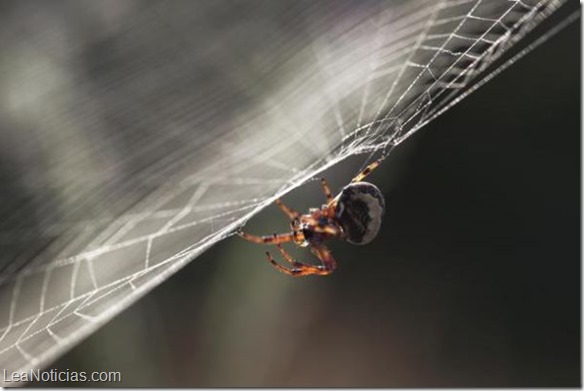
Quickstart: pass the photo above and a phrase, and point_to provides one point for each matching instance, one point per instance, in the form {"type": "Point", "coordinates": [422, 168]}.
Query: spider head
{"type": "Point", "coordinates": [300, 232]}
{"type": "Point", "coordinates": [305, 233]}
{"type": "Point", "coordinates": [308, 233]}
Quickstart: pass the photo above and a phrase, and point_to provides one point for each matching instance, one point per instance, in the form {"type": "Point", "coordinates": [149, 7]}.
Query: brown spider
{"type": "Point", "coordinates": [353, 215]}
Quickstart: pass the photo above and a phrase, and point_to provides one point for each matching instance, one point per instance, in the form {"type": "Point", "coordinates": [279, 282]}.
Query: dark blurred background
{"type": "Point", "coordinates": [474, 280]}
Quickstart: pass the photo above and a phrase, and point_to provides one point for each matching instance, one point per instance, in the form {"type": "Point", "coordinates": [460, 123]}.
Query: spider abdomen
{"type": "Point", "coordinates": [360, 208]}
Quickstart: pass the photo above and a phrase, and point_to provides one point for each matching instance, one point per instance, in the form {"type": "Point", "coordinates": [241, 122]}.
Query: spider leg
{"type": "Point", "coordinates": [304, 270]}
{"type": "Point", "coordinates": [327, 229]}
{"type": "Point", "coordinates": [291, 213]}
{"type": "Point", "coordinates": [282, 269]}
{"type": "Point", "coordinates": [332, 230]}
{"type": "Point", "coordinates": [325, 256]}
{"type": "Point", "coordinates": [326, 189]}
{"type": "Point", "coordinates": [368, 170]}
{"type": "Point", "coordinates": [289, 258]}
{"type": "Point", "coordinates": [301, 269]}
{"type": "Point", "coordinates": [267, 239]}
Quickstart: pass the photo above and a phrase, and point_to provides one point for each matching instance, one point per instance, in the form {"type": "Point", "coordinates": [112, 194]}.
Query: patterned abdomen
{"type": "Point", "coordinates": [360, 208]}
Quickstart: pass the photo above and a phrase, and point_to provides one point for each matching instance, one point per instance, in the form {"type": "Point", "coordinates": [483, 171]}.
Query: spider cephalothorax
{"type": "Point", "coordinates": [353, 215]}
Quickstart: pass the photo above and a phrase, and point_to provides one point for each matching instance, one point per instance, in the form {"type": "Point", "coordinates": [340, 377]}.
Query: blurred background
{"type": "Point", "coordinates": [474, 280]}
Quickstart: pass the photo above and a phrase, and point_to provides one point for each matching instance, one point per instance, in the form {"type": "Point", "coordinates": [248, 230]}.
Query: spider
{"type": "Point", "coordinates": [353, 215]}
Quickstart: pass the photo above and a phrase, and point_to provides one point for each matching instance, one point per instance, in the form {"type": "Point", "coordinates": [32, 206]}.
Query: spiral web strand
{"type": "Point", "coordinates": [150, 144]}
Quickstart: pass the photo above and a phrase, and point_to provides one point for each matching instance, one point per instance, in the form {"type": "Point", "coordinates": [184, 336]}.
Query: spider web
{"type": "Point", "coordinates": [135, 135]}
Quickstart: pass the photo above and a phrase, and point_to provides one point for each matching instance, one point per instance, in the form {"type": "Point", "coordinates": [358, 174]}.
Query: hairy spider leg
{"type": "Point", "coordinates": [326, 229]}
{"type": "Point", "coordinates": [368, 170]}
{"type": "Point", "coordinates": [275, 238]}
{"type": "Point", "coordinates": [291, 260]}
{"type": "Point", "coordinates": [291, 213]}
{"type": "Point", "coordinates": [301, 269]}
{"type": "Point", "coordinates": [326, 189]}
{"type": "Point", "coordinates": [297, 272]}
{"type": "Point", "coordinates": [326, 257]}
{"type": "Point", "coordinates": [267, 239]}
